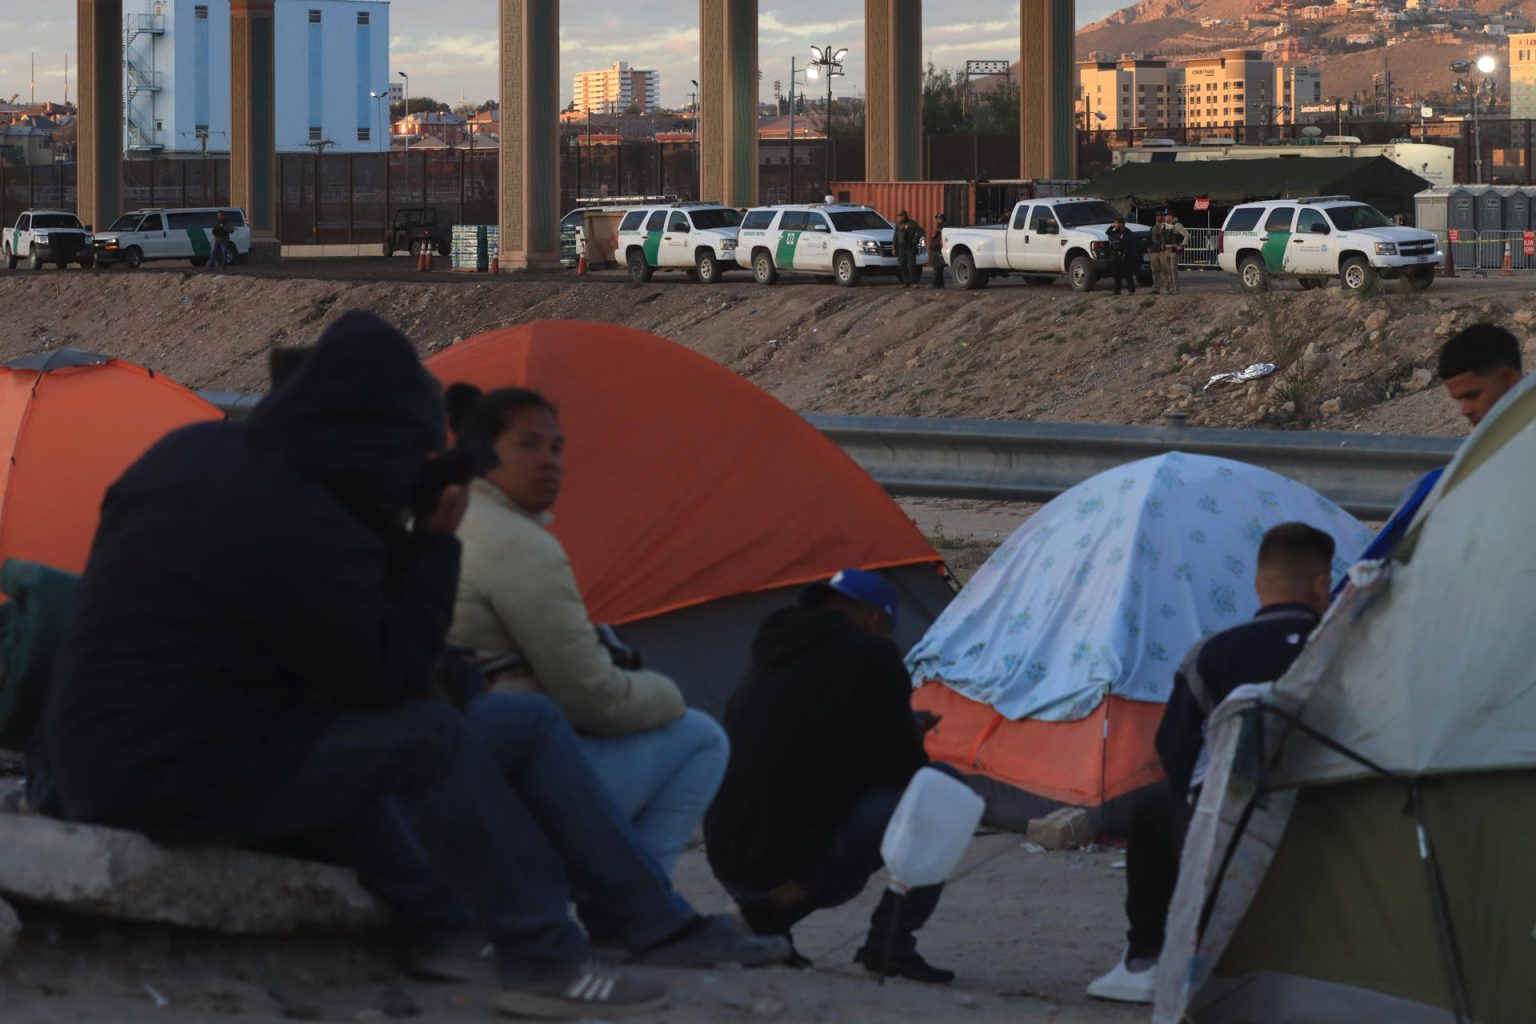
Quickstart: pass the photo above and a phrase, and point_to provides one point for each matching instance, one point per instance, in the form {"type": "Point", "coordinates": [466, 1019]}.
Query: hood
{"type": "Point", "coordinates": [789, 631]}
{"type": "Point", "coordinates": [359, 417]}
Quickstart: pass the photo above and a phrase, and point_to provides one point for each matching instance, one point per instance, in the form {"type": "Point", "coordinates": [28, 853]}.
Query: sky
{"type": "Point", "coordinates": [449, 47]}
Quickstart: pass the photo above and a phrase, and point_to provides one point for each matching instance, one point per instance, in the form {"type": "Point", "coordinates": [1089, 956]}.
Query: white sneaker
{"type": "Point", "coordinates": [1124, 986]}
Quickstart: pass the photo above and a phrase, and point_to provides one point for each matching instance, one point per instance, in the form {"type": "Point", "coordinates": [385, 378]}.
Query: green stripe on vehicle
{"type": "Point", "coordinates": [201, 247]}
{"type": "Point", "coordinates": [1274, 250]}
{"type": "Point", "coordinates": [653, 247]}
{"type": "Point", "coordinates": [788, 240]}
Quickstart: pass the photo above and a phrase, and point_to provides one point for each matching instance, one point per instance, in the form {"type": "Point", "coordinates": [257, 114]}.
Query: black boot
{"type": "Point", "coordinates": [891, 929]}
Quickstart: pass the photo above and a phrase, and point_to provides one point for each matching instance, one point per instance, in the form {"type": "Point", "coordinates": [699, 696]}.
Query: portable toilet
{"type": "Point", "coordinates": [1461, 217]}
{"type": "Point", "coordinates": [1517, 208]}
{"type": "Point", "coordinates": [1430, 210]}
{"type": "Point", "coordinates": [1490, 227]}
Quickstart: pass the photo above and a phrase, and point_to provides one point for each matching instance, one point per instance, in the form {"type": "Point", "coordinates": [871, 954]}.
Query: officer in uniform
{"type": "Point", "coordinates": [1124, 254]}
{"type": "Point", "coordinates": [907, 234]}
{"type": "Point", "coordinates": [1168, 240]}
{"type": "Point", "coordinates": [936, 250]}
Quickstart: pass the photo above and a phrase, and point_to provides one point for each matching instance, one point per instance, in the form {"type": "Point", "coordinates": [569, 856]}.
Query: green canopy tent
{"type": "Point", "coordinates": [1376, 180]}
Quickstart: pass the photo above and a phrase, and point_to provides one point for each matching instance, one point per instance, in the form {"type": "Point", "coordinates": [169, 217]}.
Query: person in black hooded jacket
{"type": "Point", "coordinates": [823, 744]}
{"type": "Point", "coordinates": [248, 660]}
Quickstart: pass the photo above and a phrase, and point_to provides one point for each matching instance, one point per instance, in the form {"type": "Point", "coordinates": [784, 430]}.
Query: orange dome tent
{"type": "Point", "coordinates": [694, 502]}
{"type": "Point", "coordinates": [70, 423]}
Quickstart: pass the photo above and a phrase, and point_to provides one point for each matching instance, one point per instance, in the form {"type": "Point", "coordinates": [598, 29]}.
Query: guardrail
{"type": "Point", "coordinates": [1365, 473]}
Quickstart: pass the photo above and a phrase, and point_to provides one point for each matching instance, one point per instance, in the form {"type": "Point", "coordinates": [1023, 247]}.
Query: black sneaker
{"type": "Point", "coordinates": [590, 989]}
{"type": "Point", "coordinates": [715, 940]}
{"type": "Point", "coordinates": [904, 965]}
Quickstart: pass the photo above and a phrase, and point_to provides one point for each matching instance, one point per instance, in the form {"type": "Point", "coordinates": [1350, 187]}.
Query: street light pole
{"type": "Point", "coordinates": [407, 106]}
{"type": "Point", "coordinates": [792, 73]}
{"type": "Point", "coordinates": [830, 62]}
{"type": "Point", "coordinates": [694, 102]}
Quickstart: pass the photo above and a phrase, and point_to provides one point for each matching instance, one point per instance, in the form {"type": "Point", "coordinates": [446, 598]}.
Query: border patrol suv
{"type": "Point", "coordinates": [840, 239]}
{"type": "Point", "coordinates": [699, 238]}
{"type": "Point", "coordinates": [1314, 239]}
{"type": "Point", "coordinates": [48, 236]}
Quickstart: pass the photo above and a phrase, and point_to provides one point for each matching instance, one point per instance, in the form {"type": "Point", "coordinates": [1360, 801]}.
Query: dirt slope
{"type": "Point", "coordinates": [1016, 352]}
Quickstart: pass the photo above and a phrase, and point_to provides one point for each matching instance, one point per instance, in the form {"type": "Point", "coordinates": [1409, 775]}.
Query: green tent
{"type": "Point", "coordinates": [1362, 849]}
{"type": "Point", "coordinates": [1375, 180]}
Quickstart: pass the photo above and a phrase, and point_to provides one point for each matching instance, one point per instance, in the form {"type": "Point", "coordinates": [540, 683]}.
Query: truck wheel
{"type": "Point", "coordinates": [846, 271]}
{"type": "Point", "coordinates": [389, 249]}
{"type": "Point", "coordinates": [1356, 273]}
{"type": "Point", "coordinates": [36, 260]}
{"type": "Point", "coordinates": [707, 268]}
{"type": "Point", "coordinates": [1420, 278]}
{"type": "Point", "coordinates": [763, 270]}
{"type": "Point", "coordinates": [133, 257]}
{"type": "Point", "coordinates": [442, 249]}
{"type": "Point", "coordinates": [414, 245]}
{"type": "Point", "coordinates": [1252, 275]}
{"type": "Point", "coordinates": [88, 261]}
{"type": "Point", "coordinates": [966, 274]}
{"type": "Point", "coordinates": [1081, 274]}
{"type": "Point", "coordinates": [10, 259]}
{"type": "Point", "coordinates": [639, 270]}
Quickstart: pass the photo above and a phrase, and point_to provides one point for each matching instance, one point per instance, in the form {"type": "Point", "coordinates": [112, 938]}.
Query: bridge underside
{"type": "Point", "coordinates": [530, 100]}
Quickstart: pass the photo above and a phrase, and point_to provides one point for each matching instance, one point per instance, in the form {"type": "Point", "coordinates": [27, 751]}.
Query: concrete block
{"type": "Point", "coordinates": [10, 930]}
{"type": "Point", "coordinates": [1065, 828]}
{"type": "Point", "coordinates": [114, 873]}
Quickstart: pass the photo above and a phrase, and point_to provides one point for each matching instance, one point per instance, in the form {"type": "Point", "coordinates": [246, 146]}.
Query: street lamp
{"type": "Point", "coordinates": [381, 94]}
{"type": "Point", "coordinates": [1486, 65]}
{"type": "Point", "coordinates": [828, 62]}
{"type": "Point", "coordinates": [407, 106]}
{"type": "Point", "coordinates": [693, 99]}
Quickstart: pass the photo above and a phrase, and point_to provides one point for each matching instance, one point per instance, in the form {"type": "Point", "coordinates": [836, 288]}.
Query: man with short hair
{"type": "Point", "coordinates": [1479, 366]}
{"type": "Point", "coordinates": [1124, 254]}
{"type": "Point", "coordinates": [1168, 240]}
{"type": "Point", "coordinates": [1293, 581]}
{"type": "Point", "coordinates": [823, 744]}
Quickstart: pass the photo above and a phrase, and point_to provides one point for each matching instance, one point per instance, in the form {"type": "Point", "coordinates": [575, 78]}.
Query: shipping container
{"type": "Point", "coordinates": [921, 199]}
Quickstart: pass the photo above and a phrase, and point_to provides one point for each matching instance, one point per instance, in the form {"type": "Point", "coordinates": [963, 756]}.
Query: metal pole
{"type": "Point", "coordinates": [828, 68]}
{"type": "Point", "coordinates": [791, 129]}
{"type": "Point", "coordinates": [1477, 142]}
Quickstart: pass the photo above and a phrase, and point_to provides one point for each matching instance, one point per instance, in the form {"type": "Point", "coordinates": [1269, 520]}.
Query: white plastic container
{"type": "Point", "coordinates": [930, 830]}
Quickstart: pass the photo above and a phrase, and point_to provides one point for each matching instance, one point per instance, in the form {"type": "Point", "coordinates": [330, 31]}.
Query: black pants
{"type": "Point", "coordinates": [938, 271]}
{"type": "Point", "coordinates": [1159, 820]}
{"type": "Point", "coordinates": [842, 874]}
{"type": "Point", "coordinates": [1124, 270]}
{"type": "Point", "coordinates": [907, 269]}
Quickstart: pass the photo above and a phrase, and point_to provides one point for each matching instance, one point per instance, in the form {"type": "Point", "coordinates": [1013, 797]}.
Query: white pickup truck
{"type": "Point", "coordinates": [1044, 238]}
{"type": "Point", "coordinates": [48, 236]}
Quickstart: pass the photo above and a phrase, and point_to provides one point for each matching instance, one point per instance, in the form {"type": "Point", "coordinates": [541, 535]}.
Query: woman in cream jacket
{"type": "Point", "coordinates": [517, 596]}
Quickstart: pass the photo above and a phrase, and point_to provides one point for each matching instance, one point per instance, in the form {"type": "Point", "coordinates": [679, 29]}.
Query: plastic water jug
{"type": "Point", "coordinates": [930, 830]}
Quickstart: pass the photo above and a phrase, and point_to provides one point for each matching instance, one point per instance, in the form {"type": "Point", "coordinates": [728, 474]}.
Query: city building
{"type": "Point", "coordinates": [616, 90]}
{"type": "Point", "coordinates": [1129, 93]}
{"type": "Point", "coordinates": [1522, 75]}
{"type": "Point", "coordinates": [1241, 87]}
{"type": "Point", "coordinates": [331, 55]}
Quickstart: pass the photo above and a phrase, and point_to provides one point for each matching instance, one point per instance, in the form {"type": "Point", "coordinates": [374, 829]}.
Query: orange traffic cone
{"type": "Point", "coordinates": [581, 265]}
{"type": "Point", "coordinates": [1509, 264]}
{"type": "Point", "coordinates": [496, 264]}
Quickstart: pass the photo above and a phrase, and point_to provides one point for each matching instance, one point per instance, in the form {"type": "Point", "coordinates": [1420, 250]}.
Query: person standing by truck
{"type": "Point", "coordinates": [905, 239]}
{"type": "Point", "coordinates": [1124, 254]}
{"type": "Point", "coordinates": [936, 250]}
{"type": "Point", "coordinates": [218, 252]}
{"type": "Point", "coordinates": [1168, 240]}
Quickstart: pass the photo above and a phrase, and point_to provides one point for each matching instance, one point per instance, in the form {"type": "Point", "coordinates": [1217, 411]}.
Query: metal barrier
{"type": "Point", "coordinates": [1200, 253]}
{"type": "Point", "coordinates": [1364, 473]}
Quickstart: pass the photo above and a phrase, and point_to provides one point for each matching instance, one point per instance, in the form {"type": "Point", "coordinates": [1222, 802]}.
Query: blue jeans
{"type": "Point", "coordinates": [424, 812]}
{"type": "Point", "coordinates": [663, 779]}
{"type": "Point", "coordinates": [844, 870]}
{"type": "Point", "coordinates": [624, 897]}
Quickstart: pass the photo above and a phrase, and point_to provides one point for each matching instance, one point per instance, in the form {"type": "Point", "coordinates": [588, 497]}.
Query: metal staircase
{"type": "Point", "coordinates": [140, 79]}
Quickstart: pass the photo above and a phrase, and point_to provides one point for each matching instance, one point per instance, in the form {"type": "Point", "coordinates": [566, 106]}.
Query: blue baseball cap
{"type": "Point", "coordinates": [857, 585]}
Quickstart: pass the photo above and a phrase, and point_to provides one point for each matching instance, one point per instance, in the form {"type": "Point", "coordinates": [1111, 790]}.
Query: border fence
{"type": "Point", "coordinates": [342, 198]}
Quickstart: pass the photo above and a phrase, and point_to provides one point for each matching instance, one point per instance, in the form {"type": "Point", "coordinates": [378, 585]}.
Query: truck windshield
{"type": "Point", "coordinates": [1353, 218]}
{"type": "Point", "coordinates": [709, 220]}
{"type": "Point", "coordinates": [1076, 215]}
{"type": "Point", "coordinates": [860, 220]}
{"type": "Point", "coordinates": [127, 222]}
{"type": "Point", "coordinates": [54, 220]}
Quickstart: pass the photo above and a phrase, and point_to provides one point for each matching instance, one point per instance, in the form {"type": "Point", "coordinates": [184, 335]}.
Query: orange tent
{"type": "Point", "coordinates": [693, 499]}
{"type": "Point", "coordinates": [70, 423]}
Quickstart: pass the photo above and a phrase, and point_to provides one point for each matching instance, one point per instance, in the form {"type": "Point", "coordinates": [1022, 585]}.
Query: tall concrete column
{"type": "Point", "coordinates": [530, 133]}
{"type": "Point", "coordinates": [253, 119]}
{"type": "Point", "coordinates": [99, 35]}
{"type": "Point", "coordinates": [1047, 57]}
{"type": "Point", "coordinates": [893, 133]}
{"type": "Point", "coordinates": [728, 90]}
